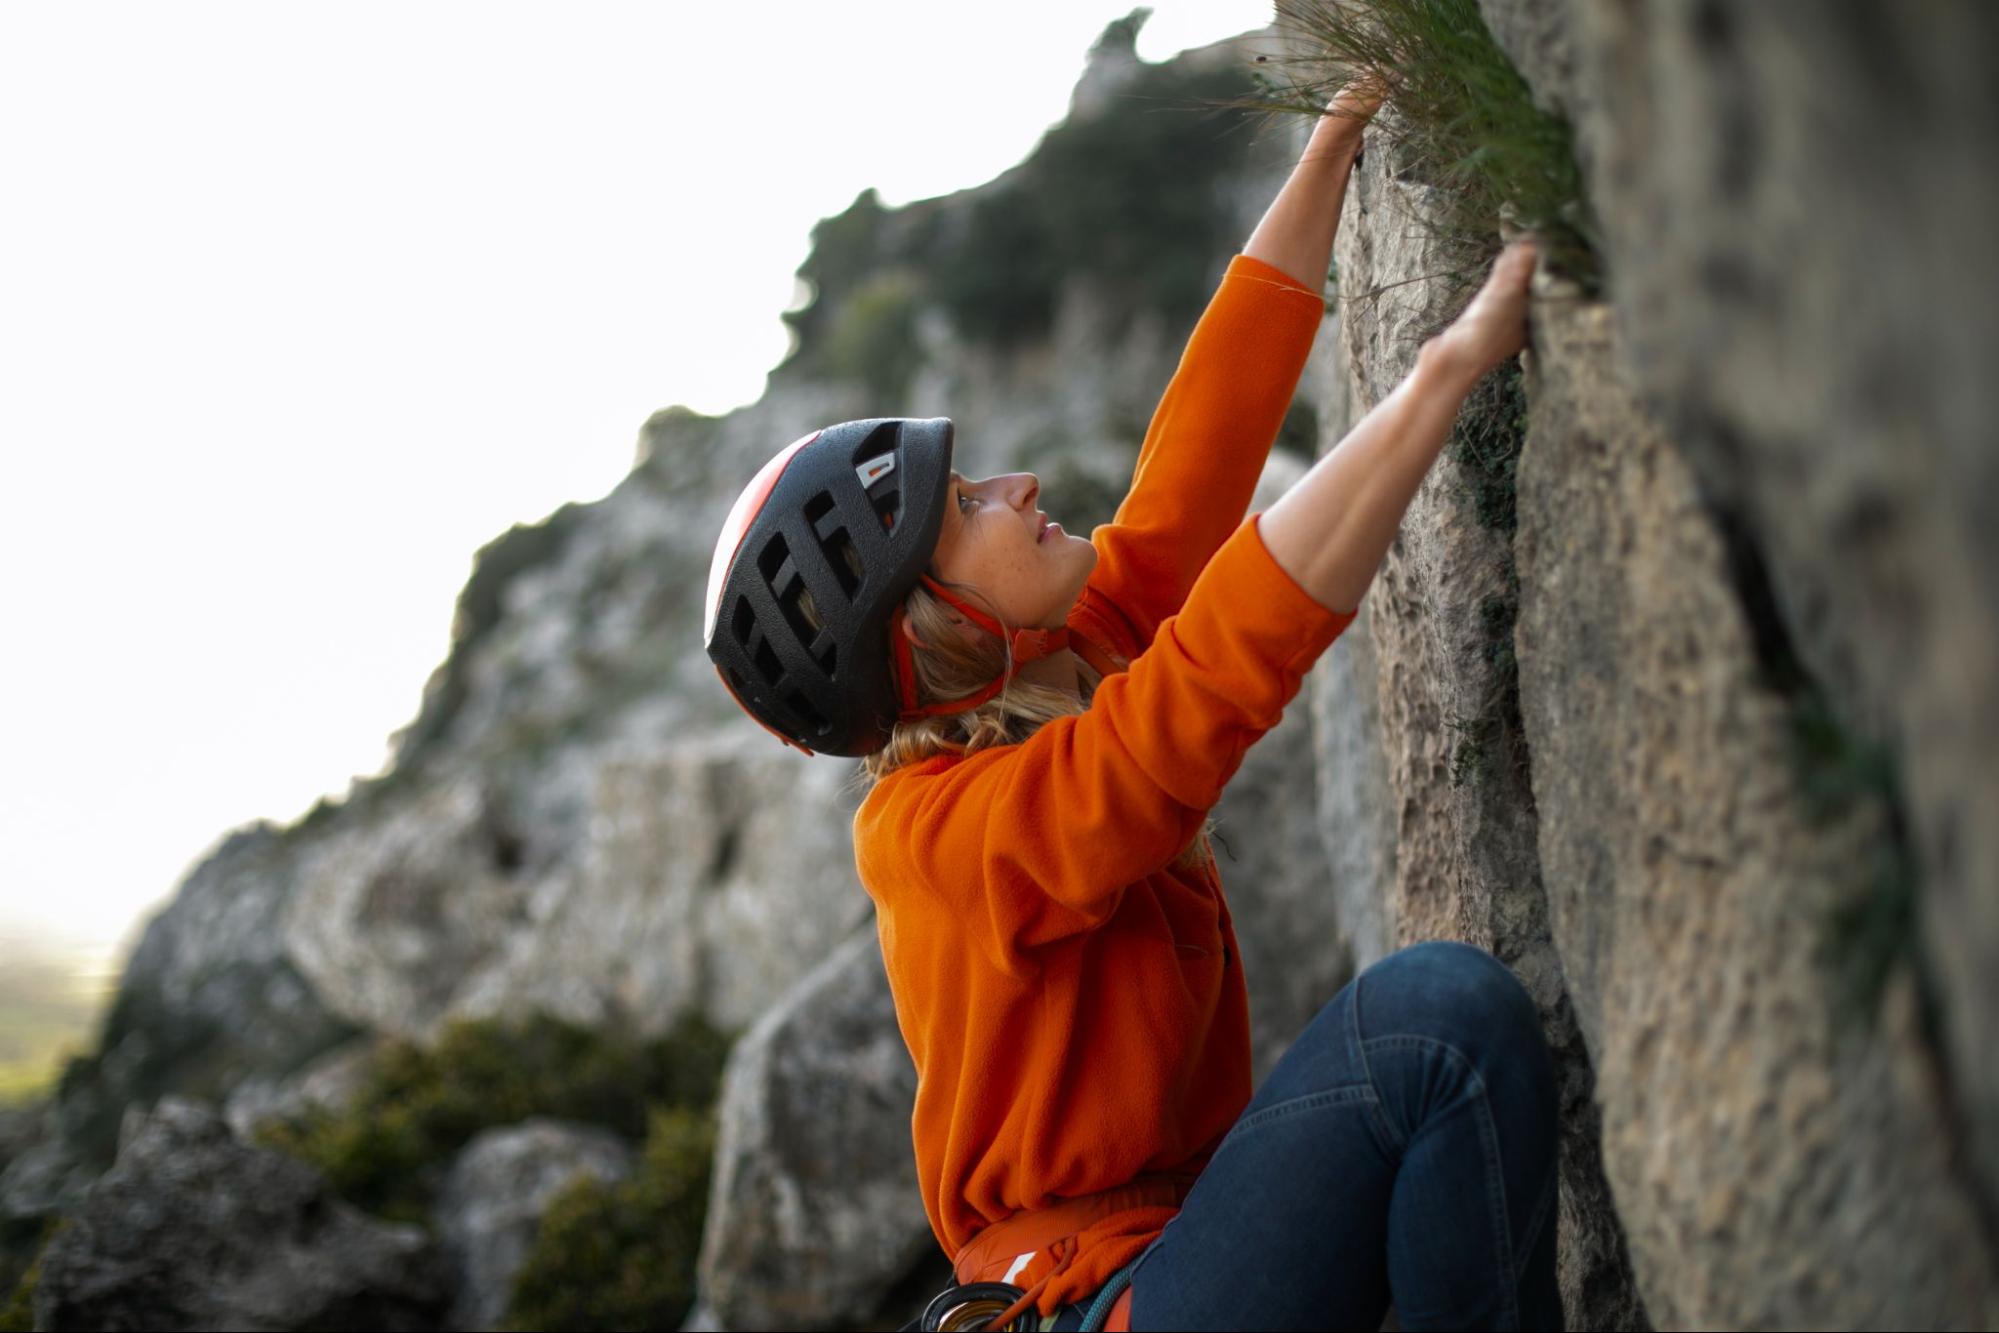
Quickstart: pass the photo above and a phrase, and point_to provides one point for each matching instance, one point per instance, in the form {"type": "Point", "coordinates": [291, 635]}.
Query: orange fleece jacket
{"type": "Point", "coordinates": [1074, 1006]}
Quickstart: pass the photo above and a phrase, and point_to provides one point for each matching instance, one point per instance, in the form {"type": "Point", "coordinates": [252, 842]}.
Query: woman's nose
{"type": "Point", "coordinates": [1022, 487]}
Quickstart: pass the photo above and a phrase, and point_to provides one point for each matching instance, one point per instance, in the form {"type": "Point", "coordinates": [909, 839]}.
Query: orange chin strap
{"type": "Point", "coordinates": [1028, 645]}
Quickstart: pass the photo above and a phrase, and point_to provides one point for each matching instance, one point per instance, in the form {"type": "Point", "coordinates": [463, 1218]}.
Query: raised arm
{"type": "Point", "coordinates": [1332, 528]}
{"type": "Point", "coordinates": [1296, 233]}
{"type": "Point", "coordinates": [1025, 844]}
{"type": "Point", "coordinates": [1212, 431]}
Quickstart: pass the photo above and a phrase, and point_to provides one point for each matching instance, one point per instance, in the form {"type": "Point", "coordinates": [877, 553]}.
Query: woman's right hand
{"type": "Point", "coordinates": [1494, 326]}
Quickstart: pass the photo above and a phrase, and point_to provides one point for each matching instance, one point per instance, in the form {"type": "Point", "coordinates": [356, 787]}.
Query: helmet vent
{"type": "Point", "coordinates": [801, 612]}
{"type": "Point", "coordinates": [802, 707]}
{"type": "Point", "coordinates": [845, 560]}
{"type": "Point", "coordinates": [767, 664]}
{"type": "Point", "coordinates": [889, 505]}
{"type": "Point", "coordinates": [775, 565]}
{"type": "Point", "coordinates": [816, 510]}
{"type": "Point", "coordinates": [743, 621]}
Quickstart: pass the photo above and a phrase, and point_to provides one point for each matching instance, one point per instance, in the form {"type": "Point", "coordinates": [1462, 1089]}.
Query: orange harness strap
{"type": "Point", "coordinates": [993, 1254]}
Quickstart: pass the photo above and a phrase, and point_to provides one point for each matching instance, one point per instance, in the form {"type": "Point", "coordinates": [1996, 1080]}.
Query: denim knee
{"type": "Point", "coordinates": [1453, 991]}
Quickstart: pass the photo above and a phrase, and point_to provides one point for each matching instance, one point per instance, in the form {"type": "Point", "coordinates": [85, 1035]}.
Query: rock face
{"type": "Point", "coordinates": [1771, 1170]}
{"type": "Point", "coordinates": [192, 1230]}
{"type": "Point", "coordinates": [1443, 724]}
{"type": "Point", "coordinates": [495, 1195]}
{"type": "Point", "coordinates": [1803, 293]}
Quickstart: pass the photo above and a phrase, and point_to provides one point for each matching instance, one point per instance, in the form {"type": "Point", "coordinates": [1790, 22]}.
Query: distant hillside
{"type": "Point", "coordinates": [49, 1006]}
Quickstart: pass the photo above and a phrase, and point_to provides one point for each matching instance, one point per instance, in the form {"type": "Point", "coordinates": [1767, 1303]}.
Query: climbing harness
{"type": "Point", "coordinates": [978, 1304]}
{"type": "Point", "coordinates": [1004, 1306]}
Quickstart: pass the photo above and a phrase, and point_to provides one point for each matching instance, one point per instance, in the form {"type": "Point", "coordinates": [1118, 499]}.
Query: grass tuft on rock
{"type": "Point", "coordinates": [1463, 120]}
{"type": "Point", "coordinates": [387, 1150]}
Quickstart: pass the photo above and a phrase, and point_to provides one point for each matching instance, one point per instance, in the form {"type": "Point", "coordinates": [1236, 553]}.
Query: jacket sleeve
{"type": "Point", "coordinates": [1032, 842]}
{"type": "Point", "coordinates": [1205, 448]}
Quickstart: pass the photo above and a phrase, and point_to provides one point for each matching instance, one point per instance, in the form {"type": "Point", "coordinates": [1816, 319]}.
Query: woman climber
{"type": "Point", "coordinates": [1048, 720]}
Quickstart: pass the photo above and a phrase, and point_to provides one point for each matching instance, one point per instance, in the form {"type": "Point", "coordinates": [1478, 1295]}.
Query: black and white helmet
{"type": "Point", "coordinates": [814, 560]}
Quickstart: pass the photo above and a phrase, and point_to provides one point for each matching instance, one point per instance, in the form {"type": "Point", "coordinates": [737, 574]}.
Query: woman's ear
{"type": "Point", "coordinates": [909, 632]}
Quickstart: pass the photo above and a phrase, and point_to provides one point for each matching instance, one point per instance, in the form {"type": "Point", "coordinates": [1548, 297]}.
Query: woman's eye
{"type": "Point", "coordinates": [963, 499]}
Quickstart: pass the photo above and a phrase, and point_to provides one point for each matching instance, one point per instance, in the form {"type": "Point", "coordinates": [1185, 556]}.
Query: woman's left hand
{"type": "Point", "coordinates": [1356, 102]}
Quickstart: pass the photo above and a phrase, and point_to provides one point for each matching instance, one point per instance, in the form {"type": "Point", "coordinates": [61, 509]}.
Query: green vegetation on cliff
{"type": "Point", "coordinates": [1128, 199]}
{"type": "Point", "coordinates": [1463, 120]}
{"type": "Point", "coordinates": [622, 1255]}
{"type": "Point", "coordinates": [388, 1149]}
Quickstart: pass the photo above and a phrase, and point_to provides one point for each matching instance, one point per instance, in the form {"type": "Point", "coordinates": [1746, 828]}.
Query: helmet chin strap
{"type": "Point", "coordinates": [1027, 645]}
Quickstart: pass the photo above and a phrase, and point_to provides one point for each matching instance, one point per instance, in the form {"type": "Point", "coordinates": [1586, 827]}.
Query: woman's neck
{"type": "Point", "coordinates": [1058, 670]}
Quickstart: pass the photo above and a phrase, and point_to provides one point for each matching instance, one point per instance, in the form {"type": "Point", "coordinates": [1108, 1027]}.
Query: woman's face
{"type": "Point", "coordinates": [994, 539]}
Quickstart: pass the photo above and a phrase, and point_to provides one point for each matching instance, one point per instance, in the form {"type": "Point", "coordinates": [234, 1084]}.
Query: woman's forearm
{"type": "Point", "coordinates": [1296, 233]}
{"type": "Point", "coordinates": [1330, 531]}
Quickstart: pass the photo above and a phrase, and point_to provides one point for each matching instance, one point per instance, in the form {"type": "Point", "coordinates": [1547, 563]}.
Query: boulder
{"type": "Point", "coordinates": [191, 1229]}
{"type": "Point", "coordinates": [815, 1211]}
{"type": "Point", "coordinates": [493, 1198]}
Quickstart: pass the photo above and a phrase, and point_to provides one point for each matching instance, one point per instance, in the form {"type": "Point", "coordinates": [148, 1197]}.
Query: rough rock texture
{"type": "Point", "coordinates": [209, 996]}
{"type": "Point", "coordinates": [1465, 864]}
{"type": "Point", "coordinates": [493, 1198]}
{"type": "Point", "coordinates": [815, 1211]}
{"type": "Point", "coordinates": [191, 1229]}
{"type": "Point", "coordinates": [1771, 1170]}
{"type": "Point", "coordinates": [1798, 204]}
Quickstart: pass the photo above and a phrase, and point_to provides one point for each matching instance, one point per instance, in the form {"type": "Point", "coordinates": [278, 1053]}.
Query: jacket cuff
{"type": "Point", "coordinates": [1242, 266]}
{"type": "Point", "coordinates": [1278, 598]}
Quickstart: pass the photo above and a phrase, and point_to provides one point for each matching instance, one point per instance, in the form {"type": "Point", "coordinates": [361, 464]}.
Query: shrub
{"type": "Point", "coordinates": [387, 1150]}
{"type": "Point", "coordinates": [873, 338]}
{"type": "Point", "coordinates": [622, 1255]}
{"type": "Point", "coordinates": [1131, 199]}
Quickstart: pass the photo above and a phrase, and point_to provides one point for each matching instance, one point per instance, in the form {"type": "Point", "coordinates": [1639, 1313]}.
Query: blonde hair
{"type": "Point", "coordinates": [952, 665]}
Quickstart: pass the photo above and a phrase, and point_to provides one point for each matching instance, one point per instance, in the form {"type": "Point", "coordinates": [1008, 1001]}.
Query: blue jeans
{"type": "Point", "coordinates": [1403, 1149]}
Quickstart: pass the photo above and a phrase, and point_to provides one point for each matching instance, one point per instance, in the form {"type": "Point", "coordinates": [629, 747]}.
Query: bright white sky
{"type": "Point", "coordinates": [301, 304]}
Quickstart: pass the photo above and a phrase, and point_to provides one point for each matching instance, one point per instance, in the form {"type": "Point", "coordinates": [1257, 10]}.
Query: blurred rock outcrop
{"type": "Point", "coordinates": [495, 1195]}
{"type": "Point", "coordinates": [191, 1229]}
